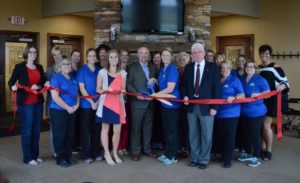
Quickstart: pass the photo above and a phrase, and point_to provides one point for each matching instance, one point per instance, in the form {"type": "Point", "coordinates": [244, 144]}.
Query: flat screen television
{"type": "Point", "coordinates": [152, 16]}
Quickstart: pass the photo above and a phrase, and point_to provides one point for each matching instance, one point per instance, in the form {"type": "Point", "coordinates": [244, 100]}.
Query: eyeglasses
{"type": "Point", "coordinates": [32, 52]}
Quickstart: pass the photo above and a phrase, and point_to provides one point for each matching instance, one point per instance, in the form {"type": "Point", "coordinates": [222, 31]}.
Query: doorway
{"type": "Point", "coordinates": [233, 46]}
{"type": "Point", "coordinates": [66, 43]}
{"type": "Point", "coordinates": [12, 46]}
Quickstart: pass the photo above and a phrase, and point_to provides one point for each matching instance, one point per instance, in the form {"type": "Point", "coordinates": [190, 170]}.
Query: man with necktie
{"type": "Point", "coordinates": [200, 81]}
{"type": "Point", "coordinates": [141, 75]}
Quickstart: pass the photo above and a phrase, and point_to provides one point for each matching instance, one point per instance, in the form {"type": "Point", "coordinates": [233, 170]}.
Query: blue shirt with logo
{"type": "Point", "coordinates": [169, 74]}
{"type": "Point", "coordinates": [89, 78]}
{"type": "Point", "coordinates": [235, 72]}
{"type": "Point", "coordinates": [256, 84]}
{"type": "Point", "coordinates": [232, 86]}
{"type": "Point", "coordinates": [70, 88]}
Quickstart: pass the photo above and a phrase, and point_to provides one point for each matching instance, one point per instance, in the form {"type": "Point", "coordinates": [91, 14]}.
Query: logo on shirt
{"type": "Point", "coordinates": [226, 86]}
{"type": "Point", "coordinates": [251, 84]}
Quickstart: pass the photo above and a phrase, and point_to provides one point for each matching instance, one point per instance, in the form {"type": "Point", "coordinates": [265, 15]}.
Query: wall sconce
{"type": "Point", "coordinates": [113, 34]}
{"type": "Point", "coordinates": [192, 34]}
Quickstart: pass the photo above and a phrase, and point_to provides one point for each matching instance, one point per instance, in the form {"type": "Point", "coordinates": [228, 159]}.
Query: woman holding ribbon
{"type": "Point", "coordinates": [168, 82]}
{"type": "Point", "coordinates": [29, 106]}
{"type": "Point", "coordinates": [228, 115]}
{"type": "Point", "coordinates": [254, 114]}
{"type": "Point", "coordinates": [87, 81]}
{"type": "Point", "coordinates": [111, 109]}
{"type": "Point", "coordinates": [277, 80]}
{"type": "Point", "coordinates": [63, 113]}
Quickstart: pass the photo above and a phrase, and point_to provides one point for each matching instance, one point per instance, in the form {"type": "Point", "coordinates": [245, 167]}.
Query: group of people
{"type": "Point", "coordinates": [203, 129]}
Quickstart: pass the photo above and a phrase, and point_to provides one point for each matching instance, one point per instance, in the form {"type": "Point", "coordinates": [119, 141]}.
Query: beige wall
{"type": "Point", "coordinates": [240, 7]}
{"type": "Point", "coordinates": [31, 10]}
{"type": "Point", "coordinates": [278, 26]}
{"type": "Point", "coordinates": [58, 7]}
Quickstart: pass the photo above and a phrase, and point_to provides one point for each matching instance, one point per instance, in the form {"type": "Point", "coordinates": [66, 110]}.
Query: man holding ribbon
{"type": "Point", "coordinates": [200, 81]}
{"type": "Point", "coordinates": [141, 79]}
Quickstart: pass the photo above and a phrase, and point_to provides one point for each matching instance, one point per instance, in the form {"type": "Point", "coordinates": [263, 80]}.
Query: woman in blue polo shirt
{"type": "Point", "coordinates": [254, 113]}
{"type": "Point", "coordinates": [228, 115]}
{"type": "Point", "coordinates": [87, 81]}
{"type": "Point", "coordinates": [63, 113]}
{"type": "Point", "coordinates": [168, 82]}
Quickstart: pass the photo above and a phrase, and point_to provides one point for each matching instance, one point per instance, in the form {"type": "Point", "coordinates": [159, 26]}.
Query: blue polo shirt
{"type": "Point", "coordinates": [89, 78]}
{"type": "Point", "coordinates": [256, 84]}
{"type": "Point", "coordinates": [234, 72]}
{"type": "Point", "coordinates": [169, 74]}
{"type": "Point", "coordinates": [232, 86]}
{"type": "Point", "coordinates": [69, 86]}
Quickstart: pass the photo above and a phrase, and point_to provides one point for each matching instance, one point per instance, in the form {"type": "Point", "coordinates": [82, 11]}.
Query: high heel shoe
{"type": "Point", "coordinates": [117, 159]}
{"type": "Point", "coordinates": [109, 160]}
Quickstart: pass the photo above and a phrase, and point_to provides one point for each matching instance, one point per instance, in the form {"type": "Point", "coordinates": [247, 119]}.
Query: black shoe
{"type": "Point", "coordinates": [267, 155]}
{"type": "Point", "coordinates": [193, 164]}
{"type": "Point", "coordinates": [63, 163]}
{"type": "Point", "coordinates": [202, 166]}
{"type": "Point", "coordinates": [183, 154]}
{"type": "Point", "coordinates": [227, 165]}
{"type": "Point", "coordinates": [72, 161]}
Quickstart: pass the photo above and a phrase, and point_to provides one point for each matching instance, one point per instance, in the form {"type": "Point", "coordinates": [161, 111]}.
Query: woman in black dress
{"type": "Point", "coordinates": [277, 80]}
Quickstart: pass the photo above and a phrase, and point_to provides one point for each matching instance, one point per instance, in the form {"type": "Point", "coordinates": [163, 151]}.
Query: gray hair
{"type": "Point", "coordinates": [198, 45]}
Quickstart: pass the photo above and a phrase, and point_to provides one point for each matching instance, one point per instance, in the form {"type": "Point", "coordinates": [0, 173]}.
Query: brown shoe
{"type": "Point", "coordinates": [152, 154]}
{"type": "Point", "coordinates": [135, 157]}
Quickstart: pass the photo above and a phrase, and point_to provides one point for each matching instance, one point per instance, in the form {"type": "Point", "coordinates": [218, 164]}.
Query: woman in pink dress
{"type": "Point", "coordinates": [111, 110]}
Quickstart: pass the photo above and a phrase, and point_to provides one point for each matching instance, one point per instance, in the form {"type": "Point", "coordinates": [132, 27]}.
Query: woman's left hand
{"type": "Point", "coordinates": [230, 99]}
{"type": "Point", "coordinates": [34, 87]}
{"type": "Point", "coordinates": [75, 107]}
{"type": "Point", "coordinates": [47, 84]}
{"type": "Point", "coordinates": [281, 87]}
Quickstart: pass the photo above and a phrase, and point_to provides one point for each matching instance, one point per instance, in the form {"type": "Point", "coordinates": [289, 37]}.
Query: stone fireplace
{"type": "Point", "coordinates": [197, 16]}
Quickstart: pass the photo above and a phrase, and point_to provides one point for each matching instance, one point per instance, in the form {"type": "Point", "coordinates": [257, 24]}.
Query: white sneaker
{"type": "Point", "coordinates": [99, 158]}
{"type": "Point", "coordinates": [39, 160]}
{"type": "Point", "coordinates": [33, 162]}
{"type": "Point", "coordinates": [161, 158]}
{"type": "Point", "coordinates": [88, 161]}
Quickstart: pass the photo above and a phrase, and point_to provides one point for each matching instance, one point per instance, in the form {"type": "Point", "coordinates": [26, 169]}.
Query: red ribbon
{"type": "Point", "coordinates": [193, 101]}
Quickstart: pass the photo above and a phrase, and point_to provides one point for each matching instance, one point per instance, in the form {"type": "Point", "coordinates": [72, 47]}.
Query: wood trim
{"type": "Point", "coordinates": [64, 36]}
{"type": "Point", "coordinates": [235, 37]}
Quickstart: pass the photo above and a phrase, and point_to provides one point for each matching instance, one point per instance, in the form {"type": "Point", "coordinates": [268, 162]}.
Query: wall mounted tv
{"type": "Point", "coordinates": [152, 16]}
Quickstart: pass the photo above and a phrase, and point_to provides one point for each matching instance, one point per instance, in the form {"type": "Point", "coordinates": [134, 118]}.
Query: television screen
{"type": "Point", "coordinates": [152, 16]}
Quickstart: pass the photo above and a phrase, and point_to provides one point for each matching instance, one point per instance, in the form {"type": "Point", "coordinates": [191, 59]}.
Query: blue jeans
{"type": "Point", "coordinates": [31, 118]}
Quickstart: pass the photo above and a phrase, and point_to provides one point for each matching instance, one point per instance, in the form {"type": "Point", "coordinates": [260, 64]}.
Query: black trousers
{"type": "Point", "coordinates": [225, 137]}
{"type": "Point", "coordinates": [184, 142]}
{"type": "Point", "coordinates": [89, 140]}
{"type": "Point", "coordinates": [63, 126]}
{"type": "Point", "coordinates": [254, 126]}
{"type": "Point", "coordinates": [241, 137]}
{"type": "Point", "coordinates": [170, 119]}
{"type": "Point", "coordinates": [157, 127]}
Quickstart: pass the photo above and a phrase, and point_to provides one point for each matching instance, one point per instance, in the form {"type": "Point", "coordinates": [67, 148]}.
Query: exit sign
{"type": "Point", "coordinates": [17, 20]}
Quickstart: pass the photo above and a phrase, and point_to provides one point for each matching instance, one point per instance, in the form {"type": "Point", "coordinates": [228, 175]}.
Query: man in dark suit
{"type": "Point", "coordinates": [139, 74]}
{"type": "Point", "coordinates": [201, 80]}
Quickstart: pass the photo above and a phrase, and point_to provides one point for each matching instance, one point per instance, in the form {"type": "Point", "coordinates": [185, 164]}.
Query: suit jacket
{"type": "Point", "coordinates": [209, 87]}
{"type": "Point", "coordinates": [20, 74]}
{"type": "Point", "coordinates": [137, 81]}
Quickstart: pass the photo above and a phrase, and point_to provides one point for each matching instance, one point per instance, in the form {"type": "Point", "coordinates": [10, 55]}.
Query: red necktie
{"type": "Point", "coordinates": [197, 83]}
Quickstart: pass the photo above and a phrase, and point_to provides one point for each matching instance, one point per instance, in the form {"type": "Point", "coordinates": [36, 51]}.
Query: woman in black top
{"type": "Point", "coordinates": [29, 106]}
{"type": "Point", "coordinates": [277, 80]}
